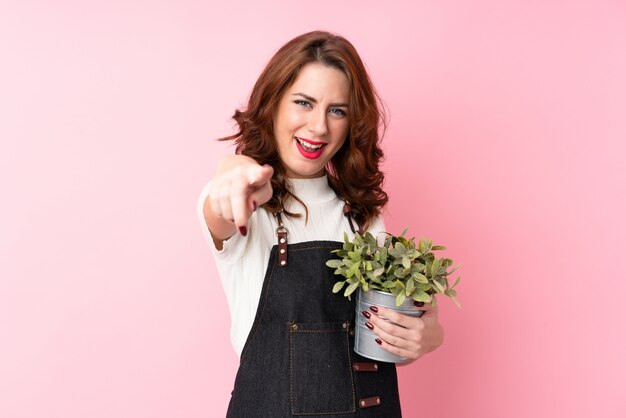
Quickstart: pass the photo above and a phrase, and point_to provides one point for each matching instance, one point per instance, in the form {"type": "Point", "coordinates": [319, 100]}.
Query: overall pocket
{"type": "Point", "coordinates": [320, 372]}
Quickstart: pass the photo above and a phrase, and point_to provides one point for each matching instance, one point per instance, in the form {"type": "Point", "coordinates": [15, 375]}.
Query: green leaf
{"type": "Point", "coordinates": [389, 284]}
{"type": "Point", "coordinates": [423, 286]}
{"type": "Point", "coordinates": [394, 253]}
{"type": "Point", "coordinates": [455, 268]}
{"type": "Point", "coordinates": [438, 247]}
{"type": "Point", "coordinates": [400, 272]}
{"type": "Point", "coordinates": [350, 289]}
{"type": "Point", "coordinates": [400, 298]}
{"type": "Point", "coordinates": [337, 287]}
{"type": "Point", "coordinates": [334, 263]}
{"type": "Point", "coordinates": [410, 286]}
{"type": "Point", "coordinates": [413, 254]}
{"type": "Point", "coordinates": [438, 286]}
{"type": "Point", "coordinates": [458, 279]}
{"type": "Point", "coordinates": [383, 256]}
{"type": "Point", "coordinates": [390, 270]}
{"type": "Point", "coordinates": [420, 277]}
{"type": "Point", "coordinates": [434, 268]}
{"type": "Point", "coordinates": [422, 297]}
{"type": "Point", "coordinates": [406, 263]}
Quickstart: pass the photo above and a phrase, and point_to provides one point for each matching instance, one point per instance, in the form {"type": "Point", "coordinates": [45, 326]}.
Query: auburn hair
{"type": "Point", "coordinates": [353, 172]}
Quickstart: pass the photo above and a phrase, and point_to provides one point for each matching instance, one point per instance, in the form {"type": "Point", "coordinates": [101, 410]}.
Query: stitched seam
{"type": "Point", "coordinates": [309, 248]}
{"type": "Point", "coordinates": [350, 369]}
{"type": "Point", "coordinates": [291, 370]}
{"type": "Point", "coordinates": [353, 410]}
{"type": "Point", "coordinates": [321, 330]}
{"type": "Point", "coordinates": [256, 325]}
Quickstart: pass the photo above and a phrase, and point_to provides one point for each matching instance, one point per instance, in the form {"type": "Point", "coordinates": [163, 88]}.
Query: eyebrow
{"type": "Point", "coordinates": [311, 99]}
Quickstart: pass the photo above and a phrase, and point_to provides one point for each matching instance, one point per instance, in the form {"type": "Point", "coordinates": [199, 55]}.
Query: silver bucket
{"type": "Point", "coordinates": [365, 340]}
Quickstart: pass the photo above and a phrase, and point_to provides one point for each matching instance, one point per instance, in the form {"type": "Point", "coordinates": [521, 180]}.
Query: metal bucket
{"type": "Point", "coordinates": [365, 340]}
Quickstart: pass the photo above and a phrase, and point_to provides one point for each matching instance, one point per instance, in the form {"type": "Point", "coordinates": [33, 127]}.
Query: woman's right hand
{"type": "Point", "coordinates": [239, 186]}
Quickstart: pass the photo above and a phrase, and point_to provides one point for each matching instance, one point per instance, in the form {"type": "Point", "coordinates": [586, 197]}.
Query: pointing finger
{"type": "Point", "coordinates": [239, 206]}
{"type": "Point", "coordinates": [260, 175]}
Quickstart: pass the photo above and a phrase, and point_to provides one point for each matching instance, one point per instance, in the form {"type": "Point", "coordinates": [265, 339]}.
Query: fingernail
{"type": "Point", "coordinates": [254, 204]}
{"type": "Point", "coordinates": [367, 314]}
{"type": "Point", "coordinates": [266, 165]}
{"type": "Point", "coordinates": [373, 309]}
{"type": "Point", "coordinates": [378, 341]}
{"type": "Point", "coordinates": [243, 230]}
{"type": "Point", "coordinates": [418, 304]}
{"type": "Point", "coordinates": [370, 326]}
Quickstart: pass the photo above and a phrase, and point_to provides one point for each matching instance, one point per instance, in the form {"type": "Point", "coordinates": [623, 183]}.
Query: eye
{"type": "Point", "coordinates": [338, 111]}
{"type": "Point", "coordinates": [302, 103]}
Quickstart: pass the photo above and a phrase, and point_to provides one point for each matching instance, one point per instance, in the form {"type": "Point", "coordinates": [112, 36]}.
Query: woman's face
{"type": "Point", "coordinates": [311, 122]}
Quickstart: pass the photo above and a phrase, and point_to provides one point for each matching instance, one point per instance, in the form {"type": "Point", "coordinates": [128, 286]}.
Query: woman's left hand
{"type": "Point", "coordinates": [407, 336]}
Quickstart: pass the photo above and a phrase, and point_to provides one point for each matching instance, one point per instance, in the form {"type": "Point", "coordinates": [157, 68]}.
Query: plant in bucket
{"type": "Point", "coordinates": [393, 275]}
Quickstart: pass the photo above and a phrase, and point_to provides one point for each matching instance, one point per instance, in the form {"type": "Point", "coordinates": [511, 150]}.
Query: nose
{"type": "Point", "coordinates": [318, 124]}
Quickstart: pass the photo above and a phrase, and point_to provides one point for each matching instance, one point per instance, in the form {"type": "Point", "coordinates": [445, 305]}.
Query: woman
{"type": "Point", "coordinates": [306, 170]}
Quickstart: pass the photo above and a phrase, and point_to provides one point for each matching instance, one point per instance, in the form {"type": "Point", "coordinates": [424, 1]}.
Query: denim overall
{"type": "Point", "coordinates": [298, 359]}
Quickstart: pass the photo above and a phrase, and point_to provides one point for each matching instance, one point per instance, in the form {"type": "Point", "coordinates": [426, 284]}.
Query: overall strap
{"type": "Point", "coordinates": [282, 232]}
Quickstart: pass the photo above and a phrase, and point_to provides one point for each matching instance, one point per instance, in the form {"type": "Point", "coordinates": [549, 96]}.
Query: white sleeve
{"type": "Point", "coordinates": [378, 225]}
{"type": "Point", "coordinates": [234, 247]}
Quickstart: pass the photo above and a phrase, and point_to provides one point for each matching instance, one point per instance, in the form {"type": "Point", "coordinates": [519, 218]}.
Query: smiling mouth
{"type": "Point", "coordinates": [310, 146]}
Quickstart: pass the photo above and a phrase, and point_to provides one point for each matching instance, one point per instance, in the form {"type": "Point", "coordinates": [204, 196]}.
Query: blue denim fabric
{"type": "Point", "coordinates": [299, 354]}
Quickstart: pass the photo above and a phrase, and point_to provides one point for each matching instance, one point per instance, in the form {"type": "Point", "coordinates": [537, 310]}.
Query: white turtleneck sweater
{"type": "Point", "coordinates": [242, 262]}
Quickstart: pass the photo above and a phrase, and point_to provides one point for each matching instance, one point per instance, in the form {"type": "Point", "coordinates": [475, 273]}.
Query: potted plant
{"type": "Point", "coordinates": [393, 275]}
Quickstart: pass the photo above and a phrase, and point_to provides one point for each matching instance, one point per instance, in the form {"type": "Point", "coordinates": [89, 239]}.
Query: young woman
{"type": "Point", "coordinates": [306, 170]}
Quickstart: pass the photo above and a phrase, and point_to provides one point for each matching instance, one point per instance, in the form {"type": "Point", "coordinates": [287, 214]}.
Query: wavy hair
{"type": "Point", "coordinates": [353, 172]}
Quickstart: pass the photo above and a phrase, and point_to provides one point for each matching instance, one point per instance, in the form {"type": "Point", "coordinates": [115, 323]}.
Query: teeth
{"type": "Point", "coordinates": [308, 147]}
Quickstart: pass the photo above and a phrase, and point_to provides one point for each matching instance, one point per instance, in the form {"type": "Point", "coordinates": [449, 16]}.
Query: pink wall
{"type": "Point", "coordinates": [507, 144]}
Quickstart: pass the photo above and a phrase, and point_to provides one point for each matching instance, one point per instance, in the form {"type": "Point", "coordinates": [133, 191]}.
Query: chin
{"type": "Point", "coordinates": [307, 173]}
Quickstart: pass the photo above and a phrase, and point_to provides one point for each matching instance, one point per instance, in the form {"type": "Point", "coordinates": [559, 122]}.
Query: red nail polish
{"type": "Point", "coordinates": [418, 304]}
{"type": "Point", "coordinates": [367, 314]}
{"type": "Point", "coordinates": [373, 309]}
{"type": "Point", "coordinates": [370, 326]}
{"type": "Point", "coordinates": [378, 341]}
{"type": "Point", "coordinates": [243, 230]}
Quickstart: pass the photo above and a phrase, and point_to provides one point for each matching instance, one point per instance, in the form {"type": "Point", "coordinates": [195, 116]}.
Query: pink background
{"type": "Point", "coordinates": [507, 144]}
